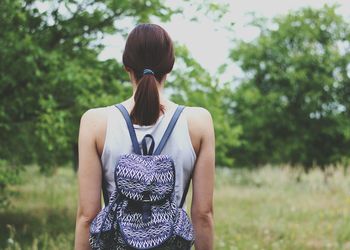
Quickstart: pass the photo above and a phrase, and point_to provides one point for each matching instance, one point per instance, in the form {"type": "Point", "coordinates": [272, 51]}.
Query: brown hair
{"type": "Point", "coordinates": [148, 47]}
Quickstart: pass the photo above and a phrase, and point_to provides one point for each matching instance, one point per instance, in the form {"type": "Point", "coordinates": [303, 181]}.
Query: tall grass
{"type": "Point", "coordinates": [282, 208]}
{"type": "Point", "coordinates": [268, 208]}
{"type": "Point", "coordinates": [42, 212]}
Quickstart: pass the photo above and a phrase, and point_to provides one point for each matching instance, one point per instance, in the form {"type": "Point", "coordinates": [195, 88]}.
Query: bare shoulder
{"type": "Point", "coordinates": [94, 116]}
{"type": "Point", "coordinates": [93, 124]}
{"type": "Point", "coordinates": [200, 126]}
{"type": "Point", "coordinates": [199, 117]}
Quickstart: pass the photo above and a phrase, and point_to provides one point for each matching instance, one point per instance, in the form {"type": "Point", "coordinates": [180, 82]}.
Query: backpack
{"type": "Point", "coordinates": [141, 212]}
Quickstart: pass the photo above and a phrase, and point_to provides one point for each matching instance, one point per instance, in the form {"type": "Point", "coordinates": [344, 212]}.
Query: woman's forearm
{"type": "Point", "coordinates": [82, 234]}
{"type": "Point", "coordinates": [204, 232]}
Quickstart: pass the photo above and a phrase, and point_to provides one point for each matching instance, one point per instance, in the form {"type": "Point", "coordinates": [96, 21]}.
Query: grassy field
{"type": "Point", "coordinates": [269, 208]}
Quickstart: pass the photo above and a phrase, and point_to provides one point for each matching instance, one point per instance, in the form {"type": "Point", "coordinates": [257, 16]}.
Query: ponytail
{"type": "Point", "coordinates": [148, 48]}
{"type": "Point", "coordinates": [147, 105]}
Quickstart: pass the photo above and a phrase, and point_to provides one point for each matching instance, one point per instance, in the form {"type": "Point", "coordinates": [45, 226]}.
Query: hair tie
{"type": "Point", "coordinates": [148, 72]}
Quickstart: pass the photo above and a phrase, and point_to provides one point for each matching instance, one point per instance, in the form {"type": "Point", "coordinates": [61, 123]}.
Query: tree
{"type": "Point", "coordinates": [292, 104]}
{"type": "Point", "coordinates": [50, 74]}
{"type": "Point", "coordinates": [192, 85]}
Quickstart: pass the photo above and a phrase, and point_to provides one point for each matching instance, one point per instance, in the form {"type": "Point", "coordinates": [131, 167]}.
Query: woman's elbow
{"type": "Point", "coordinates": [203, 218]}
{"type": "Point", "coordinates": [86, 217]}
{"type": "Point", "coordinates": [85, 220]}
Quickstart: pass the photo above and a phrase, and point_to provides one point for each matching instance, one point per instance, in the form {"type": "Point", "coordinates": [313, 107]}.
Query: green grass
{"type": "Point", "coordinates": [269, 208]}
{"type": "Point", "coordinates": [42, 212]}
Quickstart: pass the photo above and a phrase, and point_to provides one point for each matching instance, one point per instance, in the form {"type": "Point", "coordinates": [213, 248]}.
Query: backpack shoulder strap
{"type": "Point", "coordinates": [104, 191]}
{"type": "Point", "coordinates": [135, 143]}
{"type": "Point", "coordinates": [184, 194]}
{"type": "Point", "coordinates": [169, 129]}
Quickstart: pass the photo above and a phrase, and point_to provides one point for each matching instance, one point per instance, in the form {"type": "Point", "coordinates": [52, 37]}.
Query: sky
{"type": "Point", "coordinates": [208, 40]}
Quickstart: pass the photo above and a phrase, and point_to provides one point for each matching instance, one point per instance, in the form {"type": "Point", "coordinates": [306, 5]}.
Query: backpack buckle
{"type": "Point", "coordinates": [146, 197]}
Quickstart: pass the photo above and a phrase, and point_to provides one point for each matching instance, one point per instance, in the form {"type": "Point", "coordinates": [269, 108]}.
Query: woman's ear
{"type": "Point", "coordinates": [131, 74]}
{"type": "Point", "coordinates": [163, 78]}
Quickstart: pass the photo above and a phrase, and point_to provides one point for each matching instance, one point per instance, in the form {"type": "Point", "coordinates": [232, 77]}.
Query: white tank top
{"type": "Point", "coordinates": [118, 142]}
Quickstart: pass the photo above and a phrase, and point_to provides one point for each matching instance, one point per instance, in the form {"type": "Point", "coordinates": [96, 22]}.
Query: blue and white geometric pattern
{"type": "Point", "coordinates": [142, 211]}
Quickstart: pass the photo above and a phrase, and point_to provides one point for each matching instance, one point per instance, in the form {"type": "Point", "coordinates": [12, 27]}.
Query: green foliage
{"type": "Point", "coordinates": [8, 176]}
{"type": "Point", "coordinates": [192, 85]}
{"type": "Point", "coordinates": [292, 104]}
{"type": "Point", "coordinates": [50, 73]}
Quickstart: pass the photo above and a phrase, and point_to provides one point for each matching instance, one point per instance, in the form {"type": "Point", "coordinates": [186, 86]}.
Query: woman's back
{"type": "Point", "coordinates": [117, 142]}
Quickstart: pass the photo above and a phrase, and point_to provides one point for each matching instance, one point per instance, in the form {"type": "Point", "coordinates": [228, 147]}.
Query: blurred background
{"type": "Point", "coordinates": [275, 76]}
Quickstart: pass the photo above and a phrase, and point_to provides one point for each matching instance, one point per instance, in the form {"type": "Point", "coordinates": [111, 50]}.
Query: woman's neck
{"type": "Point", "coordinates": [165, 102]}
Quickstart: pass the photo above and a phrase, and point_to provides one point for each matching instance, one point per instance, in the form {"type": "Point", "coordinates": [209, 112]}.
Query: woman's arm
{"type": "Point", "coordinates": [203, 184]}
{"type": "Point", "coordinates": [89, 179]}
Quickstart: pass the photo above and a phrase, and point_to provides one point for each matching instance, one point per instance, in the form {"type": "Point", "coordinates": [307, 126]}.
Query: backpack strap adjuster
{"type": "Point", "coordinates": [144, 145]}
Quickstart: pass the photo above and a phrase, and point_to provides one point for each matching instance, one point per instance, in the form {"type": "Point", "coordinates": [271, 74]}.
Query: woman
{"type": "Point", "coordinates": [148, 58]}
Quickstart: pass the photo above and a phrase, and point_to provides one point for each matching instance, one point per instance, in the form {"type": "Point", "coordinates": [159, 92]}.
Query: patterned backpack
{"type": "Point", "coordinates": [142, 211]}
